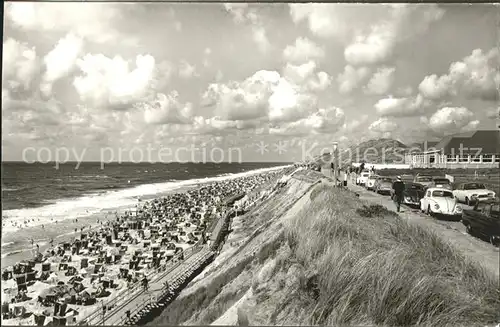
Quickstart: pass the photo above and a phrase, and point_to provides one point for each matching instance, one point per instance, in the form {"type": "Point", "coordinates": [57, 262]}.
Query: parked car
{"type": "Point", "coordinates": [469, 193]}
{"type": "Point", "coordinates": [383, 185]}
{"type": "Point", "coordinates": [413, 194]}
{"type": "Point", "coordinates": [441, 182]}
{"type": "Point", "coordinates": [362, 178]}
{"type": "Point", "coordinates": [423, 179]}
{"type": "Point", "coordinates": [440, 202]}
{"type": "Point", "coordinates": [484, 220]}
{"type": "Point", "coordinates": [370, 182]}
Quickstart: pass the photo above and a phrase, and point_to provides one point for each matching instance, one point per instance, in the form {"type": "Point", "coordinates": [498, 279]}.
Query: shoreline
{"type": "Point", "coordinates": [14, 250]}
{"type": "Point", "coordinates": [196, 203]}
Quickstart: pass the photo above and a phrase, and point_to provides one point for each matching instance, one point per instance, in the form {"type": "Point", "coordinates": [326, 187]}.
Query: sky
{"type": "Point", "coordinates": [240, 82]}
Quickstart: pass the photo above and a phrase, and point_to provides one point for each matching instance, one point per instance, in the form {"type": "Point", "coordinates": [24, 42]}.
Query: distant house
{"type": "Point", "coordinates": [480, 149]}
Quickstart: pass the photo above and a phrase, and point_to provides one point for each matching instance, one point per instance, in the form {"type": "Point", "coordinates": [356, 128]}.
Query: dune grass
{"type": "Point", "coordinates": [340, 261]}
{"type": "Point", "coordinates": [367, 266]}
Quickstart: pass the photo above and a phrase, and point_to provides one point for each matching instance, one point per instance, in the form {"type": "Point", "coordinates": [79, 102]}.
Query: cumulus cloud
{"type": "Point", "coordinates": [299, 73]}
{"type": "Point", "coordinates": [381, 82]}
{"type": "Point", "coordinates": [370, 33]}
{"type": "Point", "coordinates": [266, 94]}
{"type": "Point", "coordinates": [354, 124]}
{"type": "Point", "coordinates": [434, 87]}
{"type": "Point", "coordinates": [493, 113]}
{"type": "Point", "coordinates": [20, 65]}
{"type": "Point", "coordinates": [320, 82]}
{"type": "Point", "coordinates": [328, 20]}
{"type": "Point", "coordinates": [238, 11]}
{"type": "Point", "coordinates": [260, 37]}
{"type": "Point", "coordinates": [167, 109]}
{"type": "Point", "coordinates": [324, 121]}
{"type": "Point", "coordinates": [402, 107]}
{"type": "Point", "coordinates": [61, 60]}
{"type": "Point", "coordinates": [383, 125]}
{"type": "Point", "coordinates": [93, 22]}
{"type": "Point", "coordinates": [302, 51]}
{"type": "Point", "coordinates": [110, 83]}
{"type": "Point", "coordinates": [377, 46]}
{"type": "Point", "coordinates": [186, 70]}
{"type": "Point", "coordinates": [450, 120]}
{"type": "Point", "coordinates": [476, 76]}
{"type": "Point", "coordinates": [243, 14]}
{"type": "Point", "coordinates": [352, 78]}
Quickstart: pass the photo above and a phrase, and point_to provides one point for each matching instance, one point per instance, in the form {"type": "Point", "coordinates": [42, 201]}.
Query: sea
{"type": "Point", "coordinates": [56, 203]}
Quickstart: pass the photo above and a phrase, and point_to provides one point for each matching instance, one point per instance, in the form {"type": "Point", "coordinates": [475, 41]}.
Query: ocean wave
{"type": "Point", "coordinates": [7, 254]}
{"type": "Point", "coordinates": [71, 208]}
{"type": "Point", "coordinates": [89, 176]}
{"type": "Point", "coordinates": [13, 189]}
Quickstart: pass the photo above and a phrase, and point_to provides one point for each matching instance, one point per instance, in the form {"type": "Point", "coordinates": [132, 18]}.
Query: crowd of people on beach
{"type": "Point", "coordinates": [104, 259]}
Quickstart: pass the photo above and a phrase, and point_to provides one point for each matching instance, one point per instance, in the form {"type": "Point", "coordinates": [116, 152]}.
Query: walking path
{"type": "Point", "coordinates": [157, 288]}
{"type": "Point", "coordinates": [454, 232]}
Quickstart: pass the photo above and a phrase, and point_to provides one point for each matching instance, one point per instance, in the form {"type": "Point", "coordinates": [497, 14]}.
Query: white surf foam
{"type": "Point", "coordinates": [68, 209]}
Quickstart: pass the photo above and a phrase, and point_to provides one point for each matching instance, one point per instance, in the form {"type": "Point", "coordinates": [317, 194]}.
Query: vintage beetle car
{"type": "Point", "coordinates": [440, 202]}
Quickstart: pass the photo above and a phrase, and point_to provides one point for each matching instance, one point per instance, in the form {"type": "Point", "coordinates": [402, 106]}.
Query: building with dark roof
{"type": "Point", "coordinates": [470, 149]}
{"type": "Point", "coordinates": [470, 143]}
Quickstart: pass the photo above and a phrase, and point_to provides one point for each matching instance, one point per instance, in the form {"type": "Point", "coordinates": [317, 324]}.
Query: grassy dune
{"type": "Point", "coordinates": [333, 260]}
{"type": "Point", "coordinates": [364, 265]}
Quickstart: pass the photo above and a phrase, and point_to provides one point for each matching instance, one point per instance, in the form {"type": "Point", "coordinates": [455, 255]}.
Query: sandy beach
{"type": "Point", "coordinates": [79, 271]}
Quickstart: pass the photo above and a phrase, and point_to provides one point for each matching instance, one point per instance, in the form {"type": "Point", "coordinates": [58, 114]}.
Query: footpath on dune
{"type": "Point", "coordinates": [313, 254]}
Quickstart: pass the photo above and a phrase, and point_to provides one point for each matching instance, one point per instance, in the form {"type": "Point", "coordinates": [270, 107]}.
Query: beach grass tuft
{"type": "Point", "coordinates": [384, 271]}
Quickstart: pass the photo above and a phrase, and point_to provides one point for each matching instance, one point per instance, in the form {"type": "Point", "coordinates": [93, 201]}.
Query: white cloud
{"type": "Point", "coordinates": [325, 20]}
{"type": "Point", "coordinates": [168, 110]}
{"type": "Point", "coordinates": [299, 73]}
{"type": "Point", "coordinates": [238, 10]}
{"type": "Point", "coordinates": [93, 22]}
{"type": "Point", "coordinates": [352, 78]}
{"type": "Point", "coordinates": [452, 120]}
{"type": "Point", "coordinates": [354, 124]}
{"type": "Point", "coordinates": [434, 87]}
{"type": "Point", "coordinates": [289, 103]}
{"type": "Point", "coordinates": [303, 51]}
{"type": "Point", "coordinates": [243, 14]}
{"type": "Point", "coordinates": [321, 83]}
{"type": "Point", "coordinates": [369, 32]}
{"type": "Point", "coordinates": [476, 76]}
{"type": "Point", "coordinates": [110, 83]}
{"type": "Point", "coordinates": [493, 113]}
{"type": "Point", "coordinates": [381, 82]}
{"type": "Point", "coordinates": [61, 60]}
{"type": "Point", "coordinates": [371, 49]}
{"type": "Point", "coordinates": [186, 70]}
{"type": "Point", "coordinates": [377, 46]}
{"type": "Point", "coordinates": [326, 121]}
{"type": "Point", "coordinates": [383, 125]}
{"type": "Point", "coordinates": [20, 65]}
{"type": "Point", "coordinates": [401, 107]}
{"type": "Point", "coordinates": [264, 95]}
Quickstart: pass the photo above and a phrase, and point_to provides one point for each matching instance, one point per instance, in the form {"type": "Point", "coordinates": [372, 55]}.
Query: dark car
{"type": "Point", "coordinates": [413, 193]}
{"type": "Point", "coordinates": [484, 220]}
{"type": "Point", "coordinates": [423, 179]}
{"type": "Point", "coordinates": [441, 182]}
{"type": "Point", "coordinates": [383, 185]}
